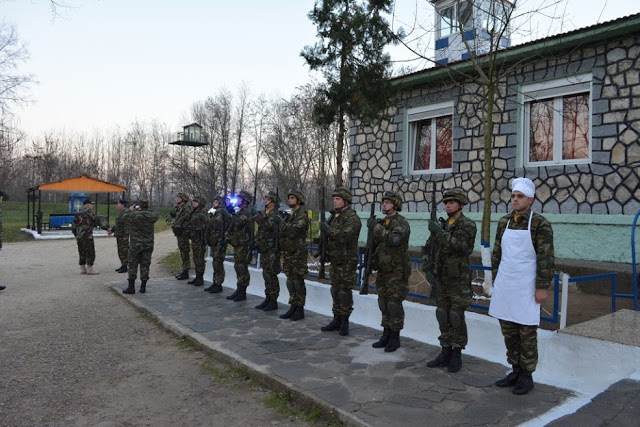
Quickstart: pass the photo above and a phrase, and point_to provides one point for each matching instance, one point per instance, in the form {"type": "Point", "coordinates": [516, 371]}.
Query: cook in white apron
{"type": "Point", "coordinates": [514, 290]}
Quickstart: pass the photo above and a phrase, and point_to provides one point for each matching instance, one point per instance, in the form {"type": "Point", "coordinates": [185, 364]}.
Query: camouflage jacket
{"type": "Point", "coordinates": [0, 228]}
{"type": "Point", "coordinates": [344, 230]}
{"type": "Point", "coordinates": [195, 224]}
{"type": "Point", "coordinates": [217, 226]}
{"type": "Point", "coordinates": [453, 249]}
{"type": "Point", "coordinates": [120, 227]}
{"type": "Point", "coordinates": [178, 215]}
{"type": "Point", "coordinates": [266, 231]}
{"type": "Point", "coordinates": [140, 226]}
{"type": "Point", "coordinates": [293, 232]}
{"type": "Point", "coordinates": [240, 226]}
{"type": "Point", "coordinates": [542, 239]}
{"type": "Point", "coordinates": [84, 222]}
{"type": "Point", "coordinates": [391, 244]}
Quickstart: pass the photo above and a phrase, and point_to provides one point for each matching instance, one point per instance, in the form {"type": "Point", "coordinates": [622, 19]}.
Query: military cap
{"type": "Point", "coordinates": [143, 203]}
{"type": "Point", "coordinates": [246, 196]}
{"type": "Point", "coordinates": [455, 194]}
{"type": "Point", "coordinates": [273, 197]}
{"type": "Point", "coordinates": [183, 196]}
{"type": "Point", "coordinates": [200, 199]}
{"type": "Point", "coordinates": [297, 194]}
{"type": "Point", "coordinates": [393, 197]}
{"type": "Point", "coordinates": [343, 193]}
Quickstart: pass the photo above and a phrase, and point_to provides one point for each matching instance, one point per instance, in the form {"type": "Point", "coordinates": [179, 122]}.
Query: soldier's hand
{"type": "Point", "coordinates": [371, 222]}
{"type": "Point", "coordinates": [435, 228]}
{"type": "Point", "coordinates": [324, 227]}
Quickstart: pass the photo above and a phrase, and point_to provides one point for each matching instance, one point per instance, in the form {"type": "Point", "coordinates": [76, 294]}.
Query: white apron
{"type": "Point", "coordinates": [514, 290]}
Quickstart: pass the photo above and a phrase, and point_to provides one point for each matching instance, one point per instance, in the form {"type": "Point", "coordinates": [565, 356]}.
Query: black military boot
{"type": "Point", "coordinates": [184, 275]}
{"type": "Point", "coordinates": [263, 304]}
{"type": "Point", "coordinates": [524, 384]}
{"type": "Point", "coordinates": [215, 288]}
{"type": "Point", "coordinates": [442, 359]}
{"type": "Point", "coordinates": [209, 288]}
{"type": "Point", "coordinates": [143, 287]}
{"type": "Point", "coordinates": [298, 314]}
{"type": "Point", "coordinates": [456, 360]}
{"type": "Point", "coordinates": [123, 269]}
{"type": "Point", "coordinates": [334, 325]}
{"type": "Point", "coordinates": [234, 294]}
{"type": "Point", "coordinates": [394, 342]}
{"type": "Point", "coordinates": [289, 313]}
{"type": "Point", "coordinates": [384, 339]}
{"type": "Point", "coordinates": [344, 326]}
{"type": "Point", "coordinates": [272, 304]}
{"type": "Point", "coordinates": [511, 379]}
{"type": "Point", "coordinates": [242, 295]}
{"type": "Point", "coordinates": [131, 289]}
{"type": "Point", "coordinates": [198, 281]}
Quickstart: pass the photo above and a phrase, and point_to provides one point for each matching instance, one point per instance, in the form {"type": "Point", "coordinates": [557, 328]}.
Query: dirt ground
{"type": "Point", "coordinates": [74, 353]}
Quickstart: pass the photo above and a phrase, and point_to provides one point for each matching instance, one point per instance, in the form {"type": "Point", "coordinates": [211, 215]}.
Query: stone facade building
{"type": "Point", "coordinates": [567, 116]}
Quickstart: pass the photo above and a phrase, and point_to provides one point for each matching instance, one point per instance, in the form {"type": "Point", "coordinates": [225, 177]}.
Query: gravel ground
{"type": "Point", "coordinates": [74, 353]}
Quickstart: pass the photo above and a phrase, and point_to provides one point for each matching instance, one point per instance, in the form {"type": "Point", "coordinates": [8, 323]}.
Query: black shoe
{"type": "Point", "coordinates": [289, 313]}
{"type": "Point", "coordinates": [184, 275]}
{"type": "Point", "coordinates": [198, 281]}
{"type": "Point", "coordinates": [384, 339]}
{"type": "Point", "coordinates": [456, 360]}
{"type": "Point", "coordinates": [2, 288]}
{"type": "Point", "coordinates": [511, 379]}
{"type": "Point", "coordinates": [272, 304]}
{"type": "Point", "coordinates": [143, 287]}
{"type": "Point", "coordinates": [394, 342]}
{"type": "Point", "coordinates": [242, 295]}
{"type": "Point", "coordinates": [442, 359]}
{"type": "Point", "coordinates": [215, 289]}
{"type": "Point", "coordinates": [524, 384]}
{"type": "Point", "coordinates": [122, 269]}
{"type": "Point", "coordinates": [298, 314]}
{"type": "Point", "coordinates": [263, 304]}
{"type": "Point", "coordinates": [344, 326]}
{"type": "Point", "coordinates": [334, 325]}
{"type": "Point", "coordinates": [234, 294]}
{"type": "Point", "coordinates": [131, 289]}
{"type": "Point", "coordinates": [212, 286]}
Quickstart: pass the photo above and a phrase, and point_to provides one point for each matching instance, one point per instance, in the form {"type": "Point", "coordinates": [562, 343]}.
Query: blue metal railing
{"type": "Point", "coordinates": [633, 269]}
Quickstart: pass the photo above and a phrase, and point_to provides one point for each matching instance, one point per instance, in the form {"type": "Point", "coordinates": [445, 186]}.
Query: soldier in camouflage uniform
{"type": "Point", "coordinates": [452, 278]}
{"type": "Point", "coordinates": [240, 237]}
{"type": "Point", "coordinates": [391, 260]}
{"type": "Point", "coordinates": [293, 232]}
{"type": "Point", "coordinates": [121, 233]}
{"type": "Point", "coordinates": [1, 194]}
{"type": "Point", "coordinates": [177, 216]}
{"type": "Point", "coordinates": [265, 242]}
{"type": "Point", "coordinates": [140, 222]}
{"type": "Point", "coordinates": [82, 227]}
{"type": "Point", "coordinates": [343, 230]}
{"type": "Point", "coordinates": [523, 264]}
{"type": "Point", "coordinates": [217, 240]}
{"type": "Point", "coordinates": [195, 228]}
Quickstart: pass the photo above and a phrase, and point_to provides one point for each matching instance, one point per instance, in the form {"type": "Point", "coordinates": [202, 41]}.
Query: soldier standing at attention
{"type": "Point", "coordinates": [176, 216]}
{"type": "Point", "coordinates": [391, 259]}
{"type": "Point", "coordinates": [452, 278]}
{"type": "Point", "coordinates": [266, 247]}
{"type": "Point", "coordinates": [523, 258]}
{"type": "Point", "coordinates": [343, 231]}
{"type": "Point", "coordinates": [82, 227]}
{"type": "Point", "coordinates": [121, 233]}
{"type": "Point", "coordinates": [217, 240]}
{"type": "Point", "coordinates": [194, 227]}
{"type": "Point", "coordinates": [240, 235]}
{"type": "Point", "coordinates": [1, 194]}
{"type": "Point", "coordinates": [293, 232]}
{"type": "Point", "coordinates": [140, 222]}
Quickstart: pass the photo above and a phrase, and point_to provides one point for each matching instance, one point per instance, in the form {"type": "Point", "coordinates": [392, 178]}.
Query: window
{"type": "Point", "coordinates": [557, 122]}
{"type": "Point", "coordinates": [450, 18]}
{"type": "Point", "coordinates": [430, 138]}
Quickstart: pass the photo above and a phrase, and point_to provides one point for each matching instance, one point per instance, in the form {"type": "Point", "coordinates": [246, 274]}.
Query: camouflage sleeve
{"type": "Point", "coordinates": [74, 224]}
{"type": "Point", "coordinates": [353, 225]}
{"type": "Point", "coordinates": [171, 215]}
{"type": "Point", "coordinates": [545, 255]}
{"type": "Point", "coordinates": [402, 229]}
{"type": "Point", "coordinates": [0, 228]}
{"type": "Point", "coordinates": [462, 238]}
{"type": "Point", "coordinates": [496, 255]}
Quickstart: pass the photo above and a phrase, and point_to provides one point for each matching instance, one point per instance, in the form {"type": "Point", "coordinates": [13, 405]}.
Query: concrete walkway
{"type": "Point", "coordinates": [365, 386]}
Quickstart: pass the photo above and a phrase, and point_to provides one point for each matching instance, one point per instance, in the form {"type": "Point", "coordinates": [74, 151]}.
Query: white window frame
{"type": "Point", "coordinates": [556, 90]}
{"type": "Point", "coordinates": [413, 116]}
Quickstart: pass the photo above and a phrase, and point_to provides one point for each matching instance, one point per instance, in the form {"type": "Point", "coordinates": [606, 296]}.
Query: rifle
{"type": "Point", "coordinates": [275, 261]}
{"type": "Point", "coordinates": [366, 262]}
{"type": "Point", "coordinates": [252, 238]}
{"type": "Point", "coordinates": [222, 244]}
{"type": "Point", "coordinates": [322, 245]}
{"type": "Point", "coordinates": [431, 249]}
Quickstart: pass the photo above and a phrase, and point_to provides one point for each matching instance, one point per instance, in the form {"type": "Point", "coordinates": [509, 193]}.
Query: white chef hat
{"type": "Point", "coordinates": [523, 185]}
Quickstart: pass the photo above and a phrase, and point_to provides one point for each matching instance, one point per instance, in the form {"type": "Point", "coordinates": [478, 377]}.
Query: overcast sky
{"type": "Point", "coordinates": [104, 63]}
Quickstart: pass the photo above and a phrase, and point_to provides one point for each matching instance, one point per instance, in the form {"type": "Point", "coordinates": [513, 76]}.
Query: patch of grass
{"type": "Point", "coordinates": [220, 374]}
{"type": "Point", "coordinates": [171, 263]}
{"type": "Point", "coordinates": [282, 402]}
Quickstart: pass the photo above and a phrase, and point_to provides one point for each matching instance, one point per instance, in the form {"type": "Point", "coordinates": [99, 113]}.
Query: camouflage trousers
{"type": "Point", "coordinates": [241, 265]}
{"type": "Point", "coordinates": [452, 300]}
{"type": "Point", "coordinates": [522, 344]}
{"type": "Point", "coordinates": [271, 282]}
{"type": "Point", "coordinates": [392, 290]}
{"type": "Point", "coordinates": [344, 275]}
{"type": "Point", "coordinates": [198, 252]}
{"type": "Point", "coordinates": [183, 246]}
{"type": "Point", "coordinates": [217, 263]}
{"type": "Point", "coordinates": [139, 255]}
{"type": "Point", "coordinates": [123, 249]}
{"type": "Point", "coordinates": [86, 251]}
{"type": "Point", "coordinates": [295, 268]}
